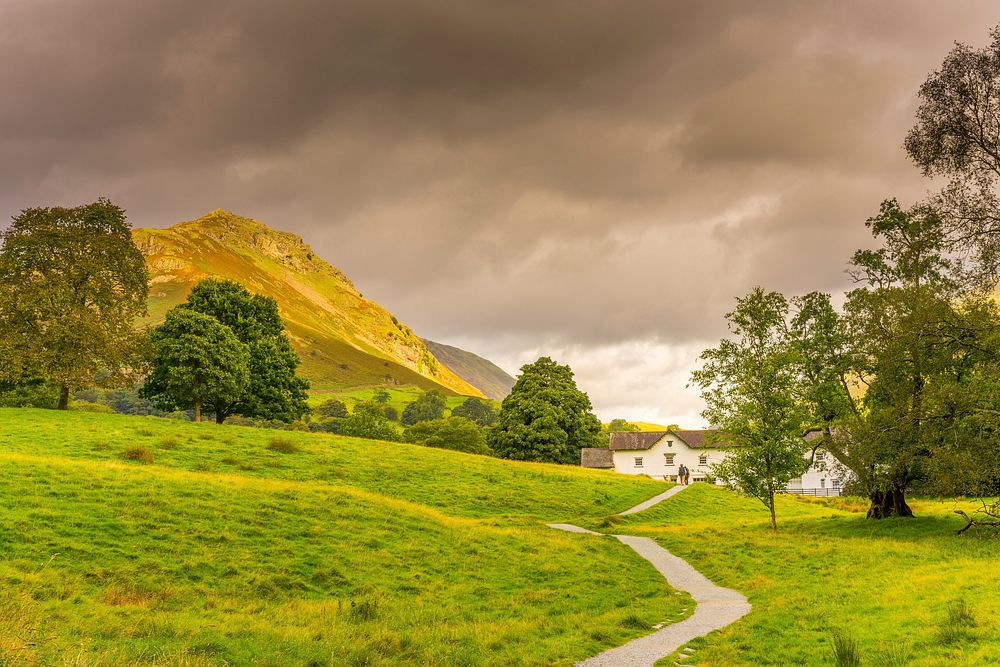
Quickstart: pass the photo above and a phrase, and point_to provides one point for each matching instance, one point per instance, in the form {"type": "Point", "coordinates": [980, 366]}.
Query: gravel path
{"type": "Point", "coordinates": [717, 606]}
{"type": "Point", "coordinates": [655, 500]}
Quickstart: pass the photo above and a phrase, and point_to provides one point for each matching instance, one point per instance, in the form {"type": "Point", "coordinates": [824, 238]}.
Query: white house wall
{"type": "Point", "coordinates": [821, 475]}
{"type": "Point", "coordinates": [654, 460]}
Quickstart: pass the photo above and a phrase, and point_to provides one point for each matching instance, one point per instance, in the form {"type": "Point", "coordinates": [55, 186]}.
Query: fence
{"type": "Point", "coordinates": [817, 493]}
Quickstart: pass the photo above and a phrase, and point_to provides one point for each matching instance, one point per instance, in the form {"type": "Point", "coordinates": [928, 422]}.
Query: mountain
{"type": "Point", "coordinates": [343, 339]}
{"type": "Point", "coordinates": [480, 373]}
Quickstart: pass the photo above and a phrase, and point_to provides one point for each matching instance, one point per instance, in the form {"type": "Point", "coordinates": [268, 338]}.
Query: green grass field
{"type": "Point", "coordinates": [887, 584]}
{"type": "Point", "coordinates": [246, 546]}
{"type": "Point", "coordinates": [399, 397]}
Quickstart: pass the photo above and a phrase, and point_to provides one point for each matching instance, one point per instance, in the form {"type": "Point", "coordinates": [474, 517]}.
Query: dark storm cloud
{"type": "Point", "coordinates": [583, 173]}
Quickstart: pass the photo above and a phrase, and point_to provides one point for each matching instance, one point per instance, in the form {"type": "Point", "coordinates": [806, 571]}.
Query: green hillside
{"type": "Point", "coordinates": [344, 340]}
{"type": "Point", "coordinates": [888, 585]}
{"type": "Point", "coordinates": [481, 373]}
{"type": "Point", "coordinates": [247, 546]}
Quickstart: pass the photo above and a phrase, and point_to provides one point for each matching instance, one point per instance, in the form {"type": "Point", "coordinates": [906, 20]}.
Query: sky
{"type": "Point", "coordinates": [592, 181]}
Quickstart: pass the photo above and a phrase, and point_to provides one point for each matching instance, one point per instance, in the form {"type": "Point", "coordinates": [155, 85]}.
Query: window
{"type": "Point", "coordinates": [670, 458]}
{"type": "Point", "coordinates": [670, 443]}
{"type": "Point", "coordinates": [703, 460]}
{"type": "Point", "coordinates": [638, 462]}
{"type": "Point", "coordinates": [820, 457]}
{"type": "Point", "coordinates": [835, 483]}
{"type": "Point", "coordinates": [822, 483]}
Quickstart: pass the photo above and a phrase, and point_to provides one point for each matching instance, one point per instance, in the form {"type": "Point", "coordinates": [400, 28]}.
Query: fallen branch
{"type": "Point", "coordinates": [970, 522]}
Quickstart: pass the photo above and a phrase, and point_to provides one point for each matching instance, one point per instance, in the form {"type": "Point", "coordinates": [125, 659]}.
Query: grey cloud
{"type": "Point", "coordinates": [585, 173]}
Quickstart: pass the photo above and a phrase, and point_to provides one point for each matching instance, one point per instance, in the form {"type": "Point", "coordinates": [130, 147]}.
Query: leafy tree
{"type": "Point", "coordinates": [621, 425]}
{"type": "Point", "coordinates": [197, 362]}
{"type": "Point", "coordinates": [275, 391]}
{"type": "Point", "coordinates": [72, 284]}
{"type": "Point", "coordinates": [957, 135]}
{"type": "Point", "coordinates": [430, 405]}
{"type": "Point", "coordinates": [390, 413]}
{"type": "Point", "coordinates": [750, 385]}
{"type": "Point", "coordinates": [333, 408]}
{"type": "Point", "coordinates": [457, 433]}
{"type": "Point", "coordinates": [368, 421]}
{"type": "Point", "coordinates": [477, 410]}
{"type": "Point", "coordinates": [545, 417]}
{"type": "Point", "coordinates": [381, 396]}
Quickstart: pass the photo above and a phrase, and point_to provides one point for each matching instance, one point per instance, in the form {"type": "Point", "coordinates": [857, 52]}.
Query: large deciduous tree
{"type": "Point", "coordinates": [545, 417]}
{"type": "Point", "coordinates": [274, 391]}
{"type": "Point", "coordinates": [751, 387]}
{"type": "Point", "coordinates": [72, 284]}
{"type": "Point", "coordinates": [197, 362]}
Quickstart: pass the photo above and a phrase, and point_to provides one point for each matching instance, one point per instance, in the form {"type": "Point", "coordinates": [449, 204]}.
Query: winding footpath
{"type": "Point", "coordinates": [716, 608]}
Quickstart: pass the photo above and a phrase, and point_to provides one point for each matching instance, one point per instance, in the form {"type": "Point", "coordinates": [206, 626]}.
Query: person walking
{"type": "Point", "coordinates": [682, 474]}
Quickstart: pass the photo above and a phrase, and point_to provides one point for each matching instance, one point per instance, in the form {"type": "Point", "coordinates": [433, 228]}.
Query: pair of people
{"type": "Point", "coordinates": [684, 475]}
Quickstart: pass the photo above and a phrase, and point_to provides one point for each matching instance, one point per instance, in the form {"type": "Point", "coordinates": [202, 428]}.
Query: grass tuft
{"type": "Point", "coordinates": [364, 610]}
{"type": "Point", "coordinates": [170, 442]}
{"type": "Point", "coordinates": [958, 624]}
{"type": "Point", "coordinates": [140, 454]}
{"type": "Point", "coordinates": [282, 444]}
{"type": "Point", "coordinates": [846, 652]}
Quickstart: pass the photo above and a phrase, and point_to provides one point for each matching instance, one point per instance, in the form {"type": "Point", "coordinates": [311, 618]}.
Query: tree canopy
{"type": "Point", "coordinates": [429, 405]}
{"type": "Point", "coordinates": [72, 284]}
{"type": "Point", "coordinates": [197, 361]}
{"type": "Point", "coordinates": [274, 391]}
{"type": "Point", "coordinates": [750, 384]}
{"type": "Point", "coordinates": [368, 421]}
{"type": "Point", "coordinates": [545, 417]}
{"type": "Point", "coordinates": [477, 410]}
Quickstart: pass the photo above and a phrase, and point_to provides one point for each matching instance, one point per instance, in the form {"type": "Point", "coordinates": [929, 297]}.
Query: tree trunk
{"type": "Point", "coordinates": [219, 416]}
{"type": "Point", "coordinates": [890, 502]}
{"type": "Point", "coordinates": [63, 398]}
{"type": "Point", "coordinates": [197, 411]}
{"type": "Point", "coordinates": [770, 506]}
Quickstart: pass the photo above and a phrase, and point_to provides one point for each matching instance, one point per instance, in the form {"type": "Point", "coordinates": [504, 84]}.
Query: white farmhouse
{"type": "Point", "coordinates": [659, 454]}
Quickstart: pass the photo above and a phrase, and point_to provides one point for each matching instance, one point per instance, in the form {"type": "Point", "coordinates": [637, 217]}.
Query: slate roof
{"type": "Point", "coordinates": [596, 457]}
{"type": "Point", "coordinates": [624, 440]}
{"type": "Point", "coordinates": [637, 440]}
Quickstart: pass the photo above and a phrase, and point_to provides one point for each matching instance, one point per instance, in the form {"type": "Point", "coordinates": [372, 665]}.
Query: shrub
{"type": "Point", "coordinates": [140, 454]}
{"type": "Point", "coordinates": [391, 413]}
{"type": "Point", "coordinates": [332, 408]}
{"type": "Point", "coordinates": [456, 433]}
{"type": "Point", "coordinates": [84, 406]}
{"type": "Point", "coordinates": [283, 445]}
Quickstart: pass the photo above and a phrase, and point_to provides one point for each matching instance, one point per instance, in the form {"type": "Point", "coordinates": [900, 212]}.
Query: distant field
{"type": "Point", "coordinates": [887, 584]}
{"type": "Point", "coordinates": [247, 546]}
{"type": "Point", "coordinates": [399, 397]}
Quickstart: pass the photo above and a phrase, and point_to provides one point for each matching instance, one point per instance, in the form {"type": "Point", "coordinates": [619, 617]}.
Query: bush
{"type": "Point", "coordinates": [368, 421]}
{"type": "Point", "coordinates": [283, 445]}
{"type": "Point", "coordinates": [332, 408]}
{"type": "Point", "coordinates": [140, 454]}
{"type": "Point", "coordinates": [84, 406]}
{"type": "Point", "coordinates": [456, 433]}
{"type": "Point", "coordinates": [390, 413]}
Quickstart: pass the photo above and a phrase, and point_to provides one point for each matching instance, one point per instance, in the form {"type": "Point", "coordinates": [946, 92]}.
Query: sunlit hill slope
{"type": "Point", "coordinates": [344, 340]}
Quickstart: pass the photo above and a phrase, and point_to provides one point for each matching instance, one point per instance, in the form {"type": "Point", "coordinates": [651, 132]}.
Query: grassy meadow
{"type": "Point", "coordinates": [890, 586]}
{"type": "Point", "coordinates": [130, 540]}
